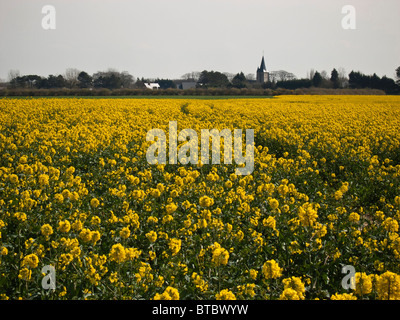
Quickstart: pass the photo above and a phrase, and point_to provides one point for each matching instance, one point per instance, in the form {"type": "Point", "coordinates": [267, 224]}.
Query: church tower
{"type": "Point", "coordinates": [262, 73]}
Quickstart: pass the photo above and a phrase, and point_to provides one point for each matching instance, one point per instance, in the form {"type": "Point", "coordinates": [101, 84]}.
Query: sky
{"type": "Point", "coordinates": [168, 38]}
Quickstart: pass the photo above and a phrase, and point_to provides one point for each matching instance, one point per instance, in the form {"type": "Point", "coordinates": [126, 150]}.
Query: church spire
{"type": "Point", "coordinates": [262, 73]}
{"type": "Point", "coordinates": [263, 67]}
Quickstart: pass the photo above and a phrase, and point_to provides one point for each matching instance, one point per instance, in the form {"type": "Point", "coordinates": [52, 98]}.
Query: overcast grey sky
{"type": "Point", "coordinates": [168, 38]}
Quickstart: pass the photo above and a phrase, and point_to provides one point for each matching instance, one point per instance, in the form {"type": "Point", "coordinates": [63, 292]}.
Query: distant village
{"type": "Point", "coordinates": [113, 79]}
{"type": "Point", "coordinates": [104, 82]}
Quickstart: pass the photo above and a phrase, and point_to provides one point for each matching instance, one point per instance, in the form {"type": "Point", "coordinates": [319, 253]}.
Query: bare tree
{"type": "Point", "coordinates": [12, 74]}
{"type": "Point", "coordinates": [324, 75]}
{"type": "Point", "coordinates": [250, 77]}
{"type": "Point", "coordinates": [194, 76]}
{"type": "Point", "coordinates": [281, 75]}
{"type": "Point", "coordinates": [71, 77]}
{"type": "Point", "coordinates": [127, 80]}
{"type": "Point", "coordinates": [311, 74]}
{"type": "Point", "coordinates": [343, 79]}
{"type": "Point", "coordinates": [229, 75]}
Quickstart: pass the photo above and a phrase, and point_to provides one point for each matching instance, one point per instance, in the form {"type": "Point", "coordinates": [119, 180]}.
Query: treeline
{"type": "Point", "coordinates": [355, 80]}
{"type": "Point", "coordinates": [73, 78]}
{"type": "Point", "coordinates": [285, 80]}
{"type": "Point", "coordinates": [245, 92]}
{"type": "Point", "coordinates": [112, 82]}
{"type": "Point", "coordinates": [358, 80]}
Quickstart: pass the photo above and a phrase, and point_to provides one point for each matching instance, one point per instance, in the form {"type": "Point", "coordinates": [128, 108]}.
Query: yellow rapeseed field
{"type": "Point", "coordinates": [77, 194]}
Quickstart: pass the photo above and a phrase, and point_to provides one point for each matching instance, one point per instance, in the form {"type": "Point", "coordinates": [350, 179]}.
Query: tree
{"type": "Point", "coordinates": [193, 76]}
{"type": "Point", "coordinates": [398, 76]}
{"type": "Point", "coordinates": [71, 77]}
{"type": "Point", "coordinates": [389, 85]}
{"type": "Point", "coordinates": [112, 79]}
{"type": "Point", "coordinates": [166, 83]}
{"type": "Point", "coordinates": [359, 80]}
{"type": "Point", "coordinates": [324, 75]}
{"type": "Point", "coordinates": [84, 80]}
{"type": "Point", "coordinates": [317, 79]}
{"type": "Point", "coordinates": [250, 77]}
{"type": "Point", "coordinates": [335, 78]}
{"type": "Point", "coordinates": [229, 75]}
{"type": "Point", "coordinates": [343, 79]}
{"type": "Point", "coordinates": [140, 83]}
{"type": "Point", "coordinates": [374, 81]}
{"type": "Point", "coordinates": [213, 79]}
{"type": "Point", "coordinates": [33, 80]}
{"type": "Point", "coordinates": [355, 79]}
{"type": "Point", "coordinates": [52, 82]}
{"type": "Point", "coordinates": [294, 84]}
{"type": "Point", "coordinates": [107, 81]}
{"type": "Point", "coordinates": [29, 81]}
{"type": "Point", "coordinates": [12, 74]}
{"type": "Point", "coordinates": [239, 81]}
{"type": "Point", "coordinates": [127, 80]}
{"type": "Point", "coordinates": [281, 75]}
{"type": "Point", "coordinates": [310, 74]}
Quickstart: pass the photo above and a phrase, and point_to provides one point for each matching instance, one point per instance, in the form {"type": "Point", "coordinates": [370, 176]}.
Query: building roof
{"type": "Point", "coordinates": [262, 66]}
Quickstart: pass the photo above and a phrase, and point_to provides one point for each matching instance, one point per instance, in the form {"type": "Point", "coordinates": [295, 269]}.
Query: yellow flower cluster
{"type": "Point", "coordinates": [170, 293]}
{"type": "Point", "coordinates": [294, 289]}
{"type": "Point", "coordinates": [271, 269]}
{"type": "Point", "coordinates": [225, 295]}
{"type": "Point", "coordinates": [220, 255]}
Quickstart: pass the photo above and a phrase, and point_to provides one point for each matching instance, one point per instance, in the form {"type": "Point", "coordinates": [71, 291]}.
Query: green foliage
{"type": "Point", "coordinates": [213, 79]}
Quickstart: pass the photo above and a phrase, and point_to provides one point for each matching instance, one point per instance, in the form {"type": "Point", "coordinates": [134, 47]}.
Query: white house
{"type": "Point", "coordinates": [152, 86]}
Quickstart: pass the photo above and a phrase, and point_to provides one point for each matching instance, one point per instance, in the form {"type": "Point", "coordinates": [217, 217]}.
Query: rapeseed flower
{"type": "Point", "coordinates": [151, 236]}
{"type": "Point", "coordinates": [354, 217]}
{"type": "Point", "coordinates": [85, 235]}
{"type": "Point", "coordinates": [46, 230]}
{"type": "Point", "coordinates": [225, 294]}
{"type": "Point", "coordinates": [31, 260]}
{"type": "Point", "coordinates": [295, 284]}
{"type": "Point", "coordinates": [14, 179]}
{"type": "Point", "coordinates": [271, 270]}
{"type": "Point", "coordinates": [171, 208]}
{"type": "Point", "coordinates": [64, 226]}
{"type": "Point", "coordinates": [308, 215]}
{"type": "Point", "coordinates": [343, 296]}
{"type": "Point", "coordinates": [391, 225]}
{"type": "Point", "coordinates": [290, 294]}
{"type": "Point", "coordinates": [175, 245]}
{"type": "Point", "coordinates": [43, 180]}
{"type": "Point", "coordinates": [125, 233]}
{"type": "Point", "coordinates": [94, 203]}
{"type": "Point", "coordinates": [117, 253]}
{"type": "Point", "coordinates": [170, 293]}
{"type": "Point", "coordinates": [220, 256]}
{"type": "Point", "coordinates": [363, 284]}
{"type": "Point", "coordinates": [25, 274]}
{"type": "Point", "coordinates": [274, 204]}
{"type": "Point", "coordinates": [388, 286]}
{"type": "Point", "coordinates": [206, 201]}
